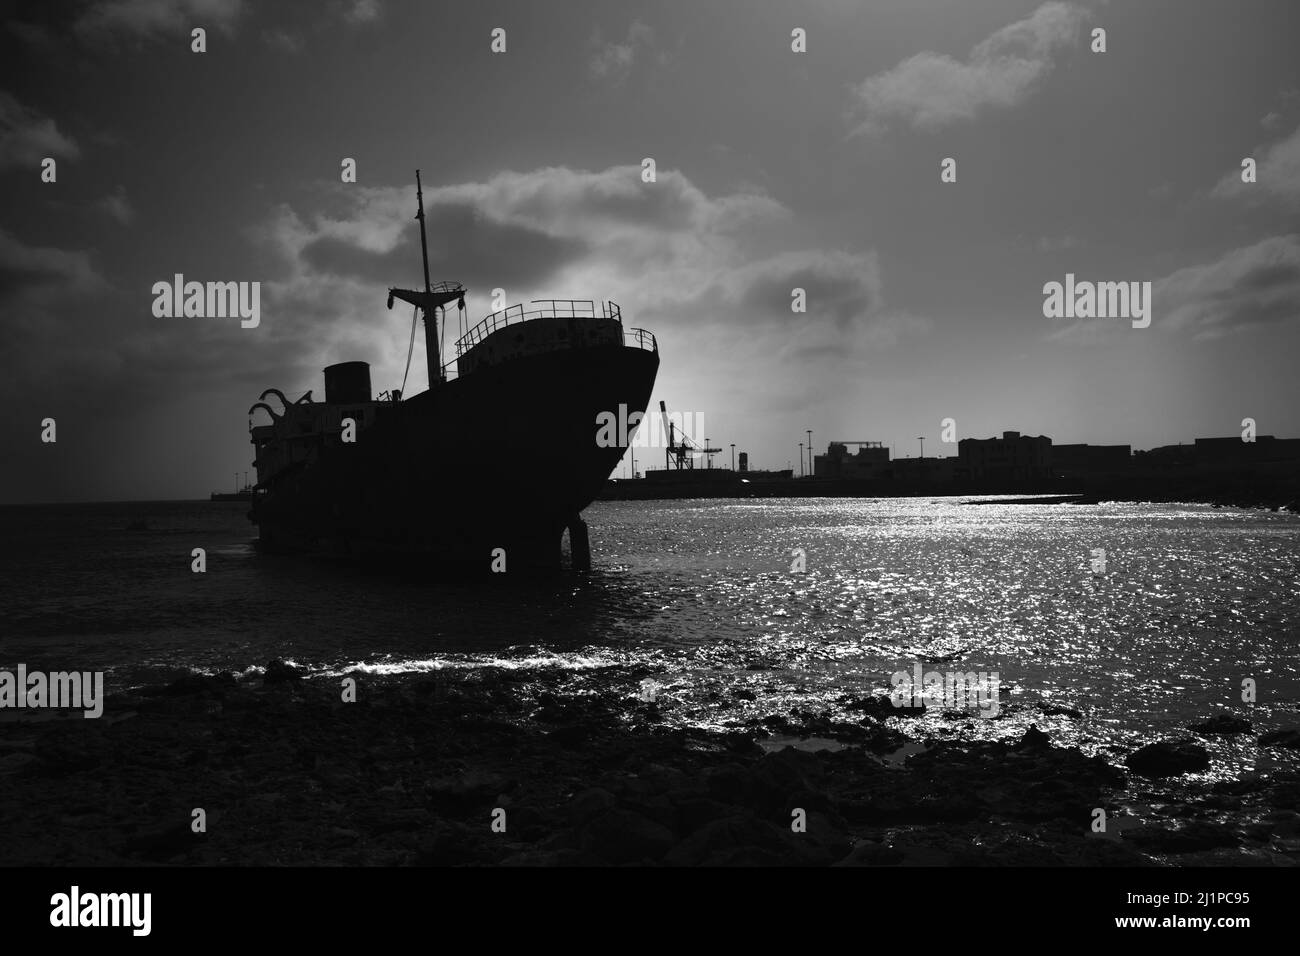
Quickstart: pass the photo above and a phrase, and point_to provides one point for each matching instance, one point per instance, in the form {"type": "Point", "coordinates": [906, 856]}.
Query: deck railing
{"type": "Point", "coordinates": [641, 339]}
{"type": "Point", "coordinates": [552, 309]}
{"type": "Point", "coordinates": [548, 309]}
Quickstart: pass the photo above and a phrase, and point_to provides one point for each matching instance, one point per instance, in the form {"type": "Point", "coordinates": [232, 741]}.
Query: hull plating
{"type": "Point", "coordinates": [505, 458]}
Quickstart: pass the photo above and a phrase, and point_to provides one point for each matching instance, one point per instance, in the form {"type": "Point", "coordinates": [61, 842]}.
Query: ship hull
{"type": "Point", "coordinates": [503, 458]}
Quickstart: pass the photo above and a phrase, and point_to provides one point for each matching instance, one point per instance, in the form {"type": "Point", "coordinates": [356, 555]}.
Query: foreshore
{"type": "Point", "coordinates": [493, 766]}
{"type": "Point", "coordinates": [1272, 492]}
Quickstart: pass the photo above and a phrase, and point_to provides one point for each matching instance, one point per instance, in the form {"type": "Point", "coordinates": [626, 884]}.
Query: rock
{"type": "Point", "coordinates": [1288, 738]}
{"type": "Point", "coordinates": [1055, 710]}
{"type": "Point", "coordinates": [66, 758]}
{"type": "Point", "coordinates": [453, 844]}
{"type": "Point", "coordinates": [1284, 796]}
{"type": "Point", "coordinates": [726, 783]}
{"type": "Point", "coordinates": [867, 853]}
{"type": "Point", "coordinates": [880, 707]}
{"type": "Point", "coordinates": [278, 672]}
{"type": "Point", "coordinates": [563, 856]}
{"type": "Point", "coordinates": [743, 839]}
{"type": "Point", "coordinates": [590, 804]}
{"type": "Point", "coordinates": [746, 856]}
{"type": "Point", "coordinates": [466, 792]}
{"type": "Point", "coordinates": [926, 856]}
{"type": "Point", "coordinates": [1189, 838]}
{"type": "Point", "coordinates": [162, 844]}
{"type": "Point", "coordinates": [570, 735]}
{"type": "Point", "coordinates": [777, 778]}
{"type": "Point", "coordinates": [16, 762]}
{"type": "Point", "coordinates": [1034, 739]}
{"type": "Point", "coordinates": [1168, 758]}
{"type": "Point", "coordinates": [192, 684]}
{"type": "Point", "coordinates": [826, 832]}
{"type": "Point", "coordinates": [1251, 783]}
{"type": "Point", "coordinates": [1223, 724]}
{"type": "Point", "coordinates": [696, 812]}
{"type": "Point", "coordinates": [1283, 823]}
{"type": "Point", "coordinates": [622, 836]}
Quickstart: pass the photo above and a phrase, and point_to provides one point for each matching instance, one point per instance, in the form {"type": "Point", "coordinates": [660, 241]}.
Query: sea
{"type": "Point", "coordinates": [1107, 626]}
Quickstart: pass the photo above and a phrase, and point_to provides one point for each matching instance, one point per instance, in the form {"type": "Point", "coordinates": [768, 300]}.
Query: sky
{"type": "Point", "coordinates": [775, 170]}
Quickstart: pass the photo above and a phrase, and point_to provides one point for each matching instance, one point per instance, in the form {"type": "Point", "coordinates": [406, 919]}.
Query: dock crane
{"type": "Point", "coordinates": [678, 453]}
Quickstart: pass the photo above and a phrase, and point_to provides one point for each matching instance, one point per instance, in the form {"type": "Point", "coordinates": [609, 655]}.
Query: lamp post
{"type": "Point", "coordinates": [810, 458]}
{"type": "Point", "coordinates": [733, 456]}
{"type": "Point", "coordinates": [801, 459]}
{"type": "Point", "coordinates": [921, 439]}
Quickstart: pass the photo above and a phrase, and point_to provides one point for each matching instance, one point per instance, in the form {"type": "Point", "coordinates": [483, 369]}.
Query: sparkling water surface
{"type": "Point", "coordinates": [701, 596]}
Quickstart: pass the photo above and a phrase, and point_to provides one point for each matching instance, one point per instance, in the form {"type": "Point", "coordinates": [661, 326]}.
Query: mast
{"type": "Point", "coordinates": [430, 299]}
{"type": "Point", "coordinates": [431, 350]}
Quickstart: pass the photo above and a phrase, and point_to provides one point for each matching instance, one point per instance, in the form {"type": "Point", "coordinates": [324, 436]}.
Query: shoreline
{"type": "Point", "coordinates": [412, 772]}
{"type": "Point", "coordinates": [1267, 492]}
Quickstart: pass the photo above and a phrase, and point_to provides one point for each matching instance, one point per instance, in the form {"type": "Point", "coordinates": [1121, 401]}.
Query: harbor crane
{"type": "Point", "coordinates": [678, 454]}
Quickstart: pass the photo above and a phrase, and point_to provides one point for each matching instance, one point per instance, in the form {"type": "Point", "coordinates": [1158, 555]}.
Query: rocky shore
{"type": "Point", "coordinates": [499, 767]}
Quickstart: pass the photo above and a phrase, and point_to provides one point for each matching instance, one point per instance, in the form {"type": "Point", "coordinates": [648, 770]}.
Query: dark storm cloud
{"type": "Point", "coordinates": [463, 243]}
{"type": "Point", "coordinates": [27, 136]}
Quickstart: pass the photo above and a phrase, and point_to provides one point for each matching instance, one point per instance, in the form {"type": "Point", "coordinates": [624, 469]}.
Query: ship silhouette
{"type": "Point", "coordinates": [499, 453]}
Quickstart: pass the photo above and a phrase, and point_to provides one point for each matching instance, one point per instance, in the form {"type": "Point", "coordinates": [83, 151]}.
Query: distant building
{"type": "Point", "coordinates": [1215, 451]}
{"type": "Point", "coordinates": [1219, 453]}
{"type": "Point", "coordinates": [1013, 457]}
{"type": "Point", "coordinates": [871, 461]}
{"type": "Point", "coordinates": [927, 469]}
{"type": "Point", "coordinates": [690, 475]}
{"type": "Point", "coordinates": [1070, 460]}
{"type": "Point", "coordinates": [744, 461]}
{"type": "Point", "coordinates": [1166, 456]}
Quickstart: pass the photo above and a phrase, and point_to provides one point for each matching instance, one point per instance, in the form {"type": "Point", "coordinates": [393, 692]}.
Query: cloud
{"type": "Point", "coordinates": [117, 206]}
{"type": "Point", "coordinates": [33, 34]}
{"type": "Point", "coordinates": [1057, 243]}
{"type": "Point", "coordinates": [362, 11]}
{"type": "Point", "coordinates": [612, 62]}
{"type": "Point", "coordinates": [27, 137]}
{"type": "Point", "coordinates": [930, 90]}
{"type": "Point", "coordinates": [679, 261]}
{"type": "Point", "coordinates": [148, 19]}
{"type": "Point", "coordinates": [27, 267]}
{"type": "Point", "coordinates": [1249, 287]}
{"type": "Point", "coordinates": [44, 292]}
{"type": "Point", "coordinates": [283, 41]}
{"type": "Point", "coordinates": [1277, 174]}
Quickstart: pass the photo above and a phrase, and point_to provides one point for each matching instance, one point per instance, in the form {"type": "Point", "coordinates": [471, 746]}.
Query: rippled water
{"type": "Point", "coordinates": [701, 594]}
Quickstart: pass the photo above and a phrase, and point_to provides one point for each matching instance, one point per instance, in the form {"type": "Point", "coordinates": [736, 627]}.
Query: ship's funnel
{"type": "Point", "coordinates": [347, 383]}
